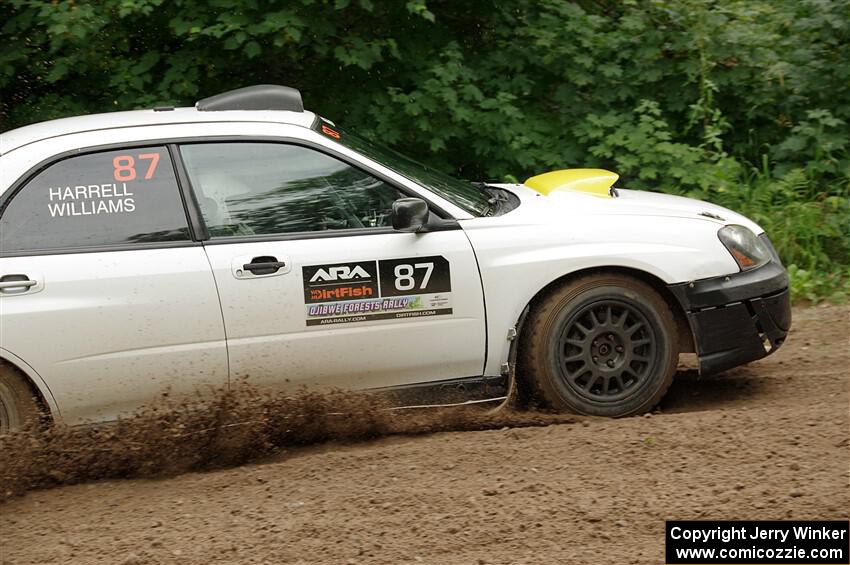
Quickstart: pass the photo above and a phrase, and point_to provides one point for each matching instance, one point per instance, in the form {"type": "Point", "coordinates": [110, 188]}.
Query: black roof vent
{"type": "Point", "coordinates": [260, 97]}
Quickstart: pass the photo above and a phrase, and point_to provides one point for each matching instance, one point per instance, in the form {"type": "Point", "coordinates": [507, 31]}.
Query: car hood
{"type": "Point", "coordinates": [627, 202]}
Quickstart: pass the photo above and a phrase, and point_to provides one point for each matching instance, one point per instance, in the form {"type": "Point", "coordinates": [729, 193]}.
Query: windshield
{"type": "Point", "coordinates": [461, 193]}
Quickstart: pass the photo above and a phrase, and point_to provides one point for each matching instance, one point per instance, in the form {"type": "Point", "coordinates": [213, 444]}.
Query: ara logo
{"type": "Point", "coordinates": [343, 272]}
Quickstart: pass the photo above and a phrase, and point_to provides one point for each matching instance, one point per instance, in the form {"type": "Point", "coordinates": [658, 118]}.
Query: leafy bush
{"type": "Point", "coordinates": [833, 286]}
{"type": "Point", "coordinates": [741, 102]}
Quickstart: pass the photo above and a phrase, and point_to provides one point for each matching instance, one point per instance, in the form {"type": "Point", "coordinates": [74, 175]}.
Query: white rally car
{"type": "Point", "coordinates": [185, 248]}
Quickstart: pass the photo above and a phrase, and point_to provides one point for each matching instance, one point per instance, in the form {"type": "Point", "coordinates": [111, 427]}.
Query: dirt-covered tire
{"type": "Point", "coordinates": [18, 405]}
{"type": "Point", "coordinates": [600, 345]}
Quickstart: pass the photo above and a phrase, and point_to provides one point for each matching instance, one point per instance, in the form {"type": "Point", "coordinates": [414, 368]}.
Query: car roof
{"type": "Point", "coordinates": [16, 138]}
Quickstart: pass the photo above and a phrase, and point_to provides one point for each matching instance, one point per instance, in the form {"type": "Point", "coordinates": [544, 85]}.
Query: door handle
{"type": "Point", "coordinates": [264, 265]}
{"type": "Point", "coordinates": [16, 282]}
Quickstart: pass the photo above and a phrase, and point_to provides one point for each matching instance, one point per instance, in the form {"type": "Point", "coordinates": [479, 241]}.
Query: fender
{"type": "Point", "coordinates": [503, 334]}
{"type": "Point", "coordinates": [36, 380]}
{"type": "Point", "coordinates": [544, 253]}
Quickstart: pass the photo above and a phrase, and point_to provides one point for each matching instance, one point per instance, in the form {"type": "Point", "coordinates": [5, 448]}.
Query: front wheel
{"type": "Point", "coordinates": [600, 345]}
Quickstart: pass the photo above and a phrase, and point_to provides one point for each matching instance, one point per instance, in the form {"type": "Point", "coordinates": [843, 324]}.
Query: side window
{"type": "Point", "coordinates": [273, 188]}
{"type": "Point", "coordinates": [100, 199]}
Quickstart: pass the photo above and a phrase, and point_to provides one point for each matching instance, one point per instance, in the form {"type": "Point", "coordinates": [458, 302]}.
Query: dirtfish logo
{"type": "Point", "coordinates": [340, 273]}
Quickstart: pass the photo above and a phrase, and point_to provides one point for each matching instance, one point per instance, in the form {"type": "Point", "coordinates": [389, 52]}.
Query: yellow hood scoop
{"type": "Point", "coordinates": [597, 182]}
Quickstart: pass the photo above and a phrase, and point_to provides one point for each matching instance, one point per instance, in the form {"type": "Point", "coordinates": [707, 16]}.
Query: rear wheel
{"type": "Point", "coordinates": [602, 345]}
{"type": "Point", "coordinates": [18, 405]}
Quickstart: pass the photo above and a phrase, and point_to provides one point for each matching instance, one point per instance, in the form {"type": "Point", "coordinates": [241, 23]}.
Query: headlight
{"type": "Point", "coordinates": [747, 249]}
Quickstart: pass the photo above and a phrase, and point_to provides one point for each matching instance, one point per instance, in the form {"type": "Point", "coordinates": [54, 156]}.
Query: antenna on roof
{"type": "Point", "coordinates": [259, 97]}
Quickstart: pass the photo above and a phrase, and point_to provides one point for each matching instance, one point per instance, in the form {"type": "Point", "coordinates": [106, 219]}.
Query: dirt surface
{"type": "Point", "coordinates": [767, 441]}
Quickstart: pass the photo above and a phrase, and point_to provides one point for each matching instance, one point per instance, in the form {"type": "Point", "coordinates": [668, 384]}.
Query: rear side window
{"type": "Point", "coordinates": [100, 199]}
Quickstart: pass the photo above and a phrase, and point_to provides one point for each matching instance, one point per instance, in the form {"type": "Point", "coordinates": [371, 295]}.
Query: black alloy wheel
{"type": "Point", "coordinates": [603, 344]}
{"type": "Point", "coordinates": [607, 349]}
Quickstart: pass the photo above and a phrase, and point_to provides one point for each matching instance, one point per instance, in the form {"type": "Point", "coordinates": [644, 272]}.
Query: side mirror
{"type": "Point", "coordinates": [410, 214]}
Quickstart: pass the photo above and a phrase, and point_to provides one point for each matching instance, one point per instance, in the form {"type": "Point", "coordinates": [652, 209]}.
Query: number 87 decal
{"type": "Point", "coordinates": [125, 166]}
{"type": "Point", "coordinates": [404, 279]}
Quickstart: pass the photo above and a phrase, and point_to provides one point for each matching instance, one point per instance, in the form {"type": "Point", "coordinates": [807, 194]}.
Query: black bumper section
{"type": "Point", "coordinates": [737, 318]}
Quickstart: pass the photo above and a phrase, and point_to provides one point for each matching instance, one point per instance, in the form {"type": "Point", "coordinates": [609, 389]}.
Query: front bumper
{"type": "Point", "coordinates": [737, 318]}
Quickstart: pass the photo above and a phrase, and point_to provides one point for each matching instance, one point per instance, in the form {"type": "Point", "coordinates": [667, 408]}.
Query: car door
{"type": "Point", "coordinates": [102, 290]}
{"type": "Point", "coordinates": [316, 288]}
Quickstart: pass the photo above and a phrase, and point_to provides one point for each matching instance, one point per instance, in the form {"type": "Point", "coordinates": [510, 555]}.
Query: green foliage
{"type": "Point", "coordinates": [740, 102]}
{"type": "Point", "coordinates": [833, 286]}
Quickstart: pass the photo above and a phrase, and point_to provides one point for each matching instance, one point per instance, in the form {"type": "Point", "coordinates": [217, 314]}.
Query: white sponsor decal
{"type": "Point", "coordinates": [340, 273]}
{"type": "Point", "coordinates": [91, 199]}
